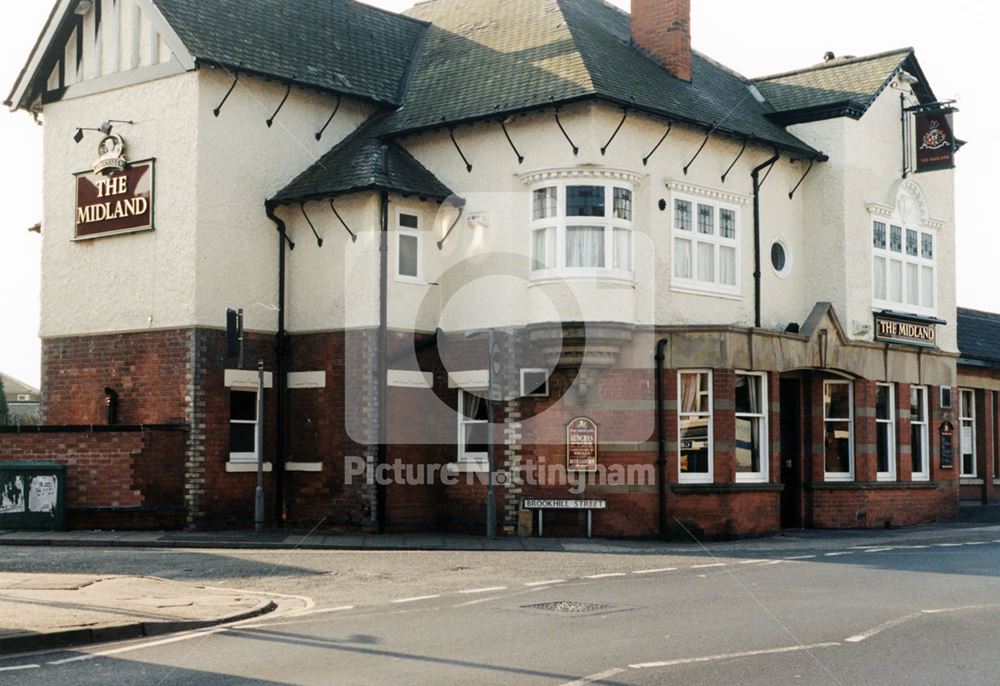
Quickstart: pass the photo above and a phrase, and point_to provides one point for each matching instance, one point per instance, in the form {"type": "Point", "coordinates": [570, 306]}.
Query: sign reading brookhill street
{"type": "Point", "coordinates": [935, 140]}
{"type": "Point", "coordinates": [581, 445]}
{"type": "Point", "coordinates": [898, 330]}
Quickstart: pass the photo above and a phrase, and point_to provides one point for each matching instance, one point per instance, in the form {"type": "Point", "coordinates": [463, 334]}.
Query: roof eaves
{"type": "Point", "coordinates": [18, 102]}
{"type": "Point", "coordinates": [844, 108]}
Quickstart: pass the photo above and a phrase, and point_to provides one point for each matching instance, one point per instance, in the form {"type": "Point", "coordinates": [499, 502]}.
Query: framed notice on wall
{"type": "Point", "coordinates": [581, 445]}
{"type": "Point", "coordinates": [109, 204]}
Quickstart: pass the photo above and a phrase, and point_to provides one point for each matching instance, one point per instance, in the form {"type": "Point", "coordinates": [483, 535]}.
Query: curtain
{"type": "Point", "coordinates": [682, 259]}
{"type": "Point", "coordinates": [690, 385]}
{"type": "Point", "coordinates": [706, 262]}
{"type": "Point", "coordinates": [879, 278]}
{"type": "Point", "coordinates": [623, 249]}
{"type": "Point", "coordinates": [927, 288]}
{"type": "Point", "coordinates": [895, 281]}
{"type": "Point", "coordinates": [585, 246]}
{"type": "Point", "coordinates": [542, 256]}
{"type": "Point", "coordinates": [912, 284]}
{"type": "Point", "coordinates": [727, 266]}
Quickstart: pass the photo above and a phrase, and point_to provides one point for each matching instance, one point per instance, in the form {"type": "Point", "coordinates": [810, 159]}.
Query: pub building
{"type": "Point", "coordinates": [541, 236]}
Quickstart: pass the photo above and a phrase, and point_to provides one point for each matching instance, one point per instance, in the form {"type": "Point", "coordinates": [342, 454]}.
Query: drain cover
{"type": "Point", "coordinates": [569, 607]}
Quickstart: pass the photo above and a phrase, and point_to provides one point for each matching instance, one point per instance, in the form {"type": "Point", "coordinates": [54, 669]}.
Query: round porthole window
{"type": "Point", "coordinates": [781, 259]}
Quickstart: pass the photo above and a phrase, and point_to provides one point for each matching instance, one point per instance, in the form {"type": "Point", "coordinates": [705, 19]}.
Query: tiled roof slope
{"type": "Point", "coordinates": [979, 337]}
{"type": "Point", "coordinates": [337, 45]}
{"type": "Point", "coordinates": [849, 82]}
{"type": "Point", "coordinates": [13, 388]}
{"type": "Point", "coordinates": [355, 164]}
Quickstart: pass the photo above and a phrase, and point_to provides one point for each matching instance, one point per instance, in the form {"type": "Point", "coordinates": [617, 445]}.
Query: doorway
{"type": "Point", "coordinates": [791, 453]}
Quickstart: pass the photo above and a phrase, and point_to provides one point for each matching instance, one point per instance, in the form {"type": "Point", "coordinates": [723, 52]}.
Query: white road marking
{"type": "Point", "coordinates": [416, 598]}
{"type": "Point", "coordinates": [141, 646]}
{"type": "Point", "coordinates": [865, 635]}
{"type": "Point", "coordinates": [801, 557]}
{"type": "Point", "coordinates": [604, 576]}
{"type": "Point", "coordinates": [947, 545]}
{"type": "Point", "coordinates": [730, 656]}
{"type": "Point", "coordinates": [656, 571]}
{"type": "Point", "coordinates": [595, 677]}
{"type": "Point", "coordinates": [961, 609]}
{"type": "Point", "coordinates": [18, 668]}
{"type": "Point", "coordinates": [714, 564]}
{"type": "Point", "coordinates": [483, 590]}
{"type": "Point", "coordinates": [546, 583]}
{"type": "Point", "coordinates": [751, 562]}
{"type": "Point", "coordinates": [836, 554]}
{"type": "Point", "coordinates": [323, 611]}
{"type": "Point", "coordinates": [978, 543]}
{"type": "Point", "coordinates": [877, 550]}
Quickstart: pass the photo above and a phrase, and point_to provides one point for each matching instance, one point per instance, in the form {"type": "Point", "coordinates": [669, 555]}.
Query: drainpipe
{"type": "Point", "coordinates": [661, 440]}
{"type": "Point", "coordinates": [382, 349]}
{"type": "Point", "coordinates": [756, 233]}
{"type": "Point", "coordinates": [280, 350]}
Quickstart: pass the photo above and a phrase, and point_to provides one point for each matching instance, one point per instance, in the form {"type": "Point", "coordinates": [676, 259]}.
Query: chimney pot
{"type": "Point", "coordinates": [663, 29]}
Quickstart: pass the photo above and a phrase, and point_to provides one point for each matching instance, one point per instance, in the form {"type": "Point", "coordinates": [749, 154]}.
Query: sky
{"type": "Point", "coordinates": [753, 38]}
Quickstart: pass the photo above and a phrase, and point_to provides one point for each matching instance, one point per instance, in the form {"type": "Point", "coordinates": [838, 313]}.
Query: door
{"type": "Point", "coordinates": [791, 453]}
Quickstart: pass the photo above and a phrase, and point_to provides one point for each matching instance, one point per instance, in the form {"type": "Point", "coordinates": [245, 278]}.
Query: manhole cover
{"type": "Point", "coordinates": [569, 607]}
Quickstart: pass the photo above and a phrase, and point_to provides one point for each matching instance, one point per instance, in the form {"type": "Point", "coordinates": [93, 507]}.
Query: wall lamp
{"type": "Point", "coordinates": [104, 128]}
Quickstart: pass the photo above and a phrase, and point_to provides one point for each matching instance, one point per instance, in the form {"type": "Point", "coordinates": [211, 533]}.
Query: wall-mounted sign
{"type": "Point", "coordinates": [895, 329]}
{"type": "Point", "coordinates": [114, 202]}
{"type": "Point", "coordinates": [947, 451]}
{"type": "Point", "coordinates": [935, 140]}
{"type": "Point", "coordinates": [581, 445]}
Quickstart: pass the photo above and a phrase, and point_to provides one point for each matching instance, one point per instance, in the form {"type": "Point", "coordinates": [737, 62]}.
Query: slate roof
{"type": "Point", "coordinates": [13, 388]}
{"type": "Point", "coordinates": [337, 45]}
{"type": "Point", "coordinates": [844, 85]}
{"type": "Point", "coordinates": [355, 164]}
{"type": "Point", "coordinates": [979, 338]}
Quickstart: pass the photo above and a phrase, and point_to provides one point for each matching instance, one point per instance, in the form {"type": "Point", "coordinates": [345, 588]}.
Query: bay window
{"type": "Point", "coordinates": [751, 427]}
{"type": "Point", "coordinates": [903, 267]}
{"type": "Point", "coordinates": [919, 445]}
{"type": "Point", "coordinates": [582, 228]}
{"type": "Point", "coordinates": [705, 245]}
{"type": "Point", "coordinates": [885, 432]}
{"type": "Point", "coordinates": [695, 425]}
{"type": "Point", "coordinates": [838, 430]}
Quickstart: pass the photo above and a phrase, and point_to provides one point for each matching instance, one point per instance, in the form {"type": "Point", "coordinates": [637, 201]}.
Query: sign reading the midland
{"type": "Point", "coordinates": [118, 202]}
{"type": "Point", "coordinates": [581, 445]}
{"type": "Point", "coordinates": [899, 330]}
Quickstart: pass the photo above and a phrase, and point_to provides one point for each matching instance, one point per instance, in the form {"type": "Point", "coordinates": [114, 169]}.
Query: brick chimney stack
{"type": "Point", "coordinates": [663, 29]}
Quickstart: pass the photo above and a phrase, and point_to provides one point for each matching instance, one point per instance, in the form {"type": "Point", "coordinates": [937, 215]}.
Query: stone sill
{"type": "Point", "coordinates": [971, 481]}
{"type": "Point", "coordinates": [245, 467]}
{"type": "Point", "coordinates": [874, 485]}
{"type": "Point", "coordinates": [694, 489]}
{"type": "Point", "coordinates": [304, 467]}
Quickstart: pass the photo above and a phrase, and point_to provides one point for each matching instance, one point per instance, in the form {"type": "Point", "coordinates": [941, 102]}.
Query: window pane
{"type": "Point", "coordinates": [882, 447]}
{"type": "Point", "coordinates": [476, 438]}
{"type": "Point", "coordinates": [748, 394]}
{"type": "Point", "coordinates": [727, 223]}
{"type": "Point", "coordinates": [878, 236]}
{"type": "Point", "coordinates": [544, 203]}
{"type": "Point", "coordinates": [896, 239]}
{"type": "Point", "coordinates": [837, 401]}
{"type": "Point", "coordinates": [878, 278]}
{"type": "Point", "coordinates": [694, 392]}
{"type": "Point", "coordinates": [927, 286]}
{"type": "Point", "coordinates": [243, 406]}
{"type": "Point", "coordinates": [623, 204]}
{"type": "Point", "coordinates": [543, 249]}
{"type": "Point", "coordinates": [917, 399]}
{"type": "Point", "coordinates": [706, 220]}
{"type": "Point", "coordinates": [966, 404]}
{"type": "Point", "coordinates": [585, 246]}
{"type": "Point", "coordinates": [706, 262]}
{"type": "Point", "coordinates": [917, 447]}
{"type": "Point", "coordinates": [778, 257]}
{"type": "Point", "coordinates": [242, 438]}
{"type": "Point", "coordinates": [727, 265]}
{"type": "Point", "coordinates": [682, 215]}
{"type": "Point", "coordinates": [883, 402]}
{"type": "Point", "coordinates": [927, 249]}
{"type": "Point", "coordinates": [912, 284]}
{"type": "Point", "coordinates": [895, 281]}
{"type": "Point", "coordinates": [911, 242]}
{"type": "Point", "coordinates": [682, 259]}
{"type": "Point", "coordinates": [585, 201]}
{"type": "Point", "coordinates": [837, 443]}
{"type": "Point", "coordinates": [409, 221]}
{"type": "Point", "coordinates": [474, 407]}
{"type": "Point", "coordinates": [694, 445]}
{"type": "Point", "coordinates": [968, 453]}
{"type": "Point", "coordinates": [748, 445]}
{"type": "Point", "coordinates": [623, 249]}
{"type": "Point", "coordinates": [408, 249]}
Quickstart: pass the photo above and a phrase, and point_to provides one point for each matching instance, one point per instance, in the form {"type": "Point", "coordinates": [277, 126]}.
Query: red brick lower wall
{"type": "Point", "coordinates": [130, 479]}
{"type": "Point", "coordinates": [867, 508]}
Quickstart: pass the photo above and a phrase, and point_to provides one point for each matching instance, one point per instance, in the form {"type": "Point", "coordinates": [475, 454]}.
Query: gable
{"type": "Point", "coordinates": [89, 46]}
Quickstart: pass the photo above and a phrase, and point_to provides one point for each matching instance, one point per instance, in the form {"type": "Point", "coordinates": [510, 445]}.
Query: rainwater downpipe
{"type": "Point", "coordinates": [755, 174]}
{"type": "Point", "coordinates": [280, 351]}
{"type": "Point", "coordinates": [661, 440]}
{"type": "Point", "coordinates": [381, 516]}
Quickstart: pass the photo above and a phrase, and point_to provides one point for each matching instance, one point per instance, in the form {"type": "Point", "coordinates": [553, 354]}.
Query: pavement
{"type": "Point", "coordinates": [43, 611]}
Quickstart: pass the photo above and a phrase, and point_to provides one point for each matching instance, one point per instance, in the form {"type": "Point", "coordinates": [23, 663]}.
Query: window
{"type": "Point", "coordinates": [23, 398]}
{"type": "Point", "coordinates": [573, 231]}
{"type": "Point", "coordinates": [885, 432]}
{"type": "Point", "coordinates": [919, 433]}
{"type": "Point", "coordinates": [534, 383]}
{"type": "Point", "coordinates": [473, 427]}
{"type": "Point", "coordinates": [904, 268]}
{"type": "Point", "coordinates": [242, 426]}
{"type": "Point", "coordinates": [946, 397]}
{"type": "Point", "coordinates": [838, 430]}
{"type": "Point", "coordinates": [967, 418]}
{"type": "Point", "coordinates": [751, 427]}
{"type": "Point", "coordinates": [408, 248]}
{"type": "Point", "coordinates": [694, 418]}
{"type": "Point", "coordinates": [706, 246]}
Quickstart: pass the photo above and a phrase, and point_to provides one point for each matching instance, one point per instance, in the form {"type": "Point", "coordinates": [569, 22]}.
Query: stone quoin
{"type": "Point", "coordinates": [492, 228]}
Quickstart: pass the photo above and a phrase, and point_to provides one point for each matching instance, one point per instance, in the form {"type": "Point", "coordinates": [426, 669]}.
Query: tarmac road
{"type": "Point", "coordinates": [922, 608]}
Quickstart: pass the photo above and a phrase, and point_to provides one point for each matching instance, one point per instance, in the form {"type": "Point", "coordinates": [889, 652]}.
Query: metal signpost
{"type": "Point", "coordinates": [492, 396]}
{"type": "Point", "coordinates": [258, 515]}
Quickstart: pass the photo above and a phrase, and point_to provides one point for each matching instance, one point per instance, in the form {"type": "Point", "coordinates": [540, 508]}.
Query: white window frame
{"type": "Point", "coordinates": [924, 424]}
{"type": "Point", "coordinates": [904, 259]}
{"type": "Point", "coordinates": [538, 394]}
{"type": "Point", "coordinates": [417, 233]}
{"type": "Point", "coordinates": [849, 475]}
{"type": "Point", "coordinates": [464, 458]}
{"type": "Point", "coordinates": [23, 398]}
{"type": "Point", "coordinates": [696, 477]}
{"type": "Point", "coordinates": [716, 240]}
{"type": "Point", "coordinates": [889, 475]}
{"type": "Point", "coordinates": [967, 417]}
{"type": "Point", "coordinates": [561, 223]}
{"type": "Point", "coordinates": [761, 475]}
{"type": "Point", "coordinates": [245, 458]}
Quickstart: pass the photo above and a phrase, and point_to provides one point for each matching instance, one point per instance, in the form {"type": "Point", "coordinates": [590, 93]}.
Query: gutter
{"type": "Point", "coordinates": [755, 175]}
{"type": "Point", "coordinates": [280, 351]}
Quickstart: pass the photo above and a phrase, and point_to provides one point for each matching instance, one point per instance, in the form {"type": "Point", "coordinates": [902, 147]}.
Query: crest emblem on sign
{"type": "Point", "coordinates": [111, 155]}
{"type": "Point", "coordinates": [935, 137]}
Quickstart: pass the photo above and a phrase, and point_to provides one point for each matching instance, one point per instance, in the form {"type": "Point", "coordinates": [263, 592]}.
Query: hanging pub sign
{"type": "Point", "coordinates": [909, 331]}
{"type": "Point", "coordinates": [935, 140]}
{"type": "Point", "coordinates": [581, 445]}
{"type": "Point", "coordinates": [117, 196]}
